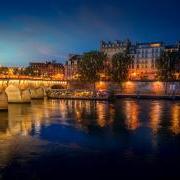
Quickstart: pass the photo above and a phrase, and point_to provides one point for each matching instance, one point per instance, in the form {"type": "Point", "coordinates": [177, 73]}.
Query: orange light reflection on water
{"type": "Point", "coordinates": [155, 116]}
{"type": "Point", "coordinates": [132, 115]}
{"type": "Point", "coordinates": [175, 122]}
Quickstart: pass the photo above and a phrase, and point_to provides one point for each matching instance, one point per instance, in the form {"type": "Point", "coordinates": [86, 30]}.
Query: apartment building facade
{"type": "Point", "coordinates": [71, 67]}
{"type": "Point", "coordinates": [144, 56]}
{"type": "Point", "coordinates": [48, 69]}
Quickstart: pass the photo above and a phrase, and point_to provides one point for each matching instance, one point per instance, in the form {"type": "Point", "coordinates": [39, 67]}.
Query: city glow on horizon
{"type": "Point", "coordinates": [52, 29]}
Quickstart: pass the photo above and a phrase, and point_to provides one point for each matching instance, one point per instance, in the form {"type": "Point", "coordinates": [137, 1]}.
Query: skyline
{"type": "Point", "coordinates": [31, 30]}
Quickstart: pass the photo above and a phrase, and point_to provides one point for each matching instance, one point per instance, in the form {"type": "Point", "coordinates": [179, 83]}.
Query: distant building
{"type": "Point", "coordinates": [48, 69]}
{"type": "Point", "coordinates": [111, 48]}
{"type": "Point", "coordinates": [71, 67]}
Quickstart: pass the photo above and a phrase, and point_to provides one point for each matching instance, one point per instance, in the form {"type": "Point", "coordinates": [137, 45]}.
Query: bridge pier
{"type": "Point", "coordinates": [3, 101]}
{"type": "Point", "coordinates": [16, 95]}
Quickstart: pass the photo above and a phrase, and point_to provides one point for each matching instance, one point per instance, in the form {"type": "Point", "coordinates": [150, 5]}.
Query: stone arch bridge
{"type": "Point", "coordinates": [23, 90]}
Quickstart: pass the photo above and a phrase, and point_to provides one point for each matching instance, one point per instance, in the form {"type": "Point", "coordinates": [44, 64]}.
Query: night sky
{"type": "Point", "coordinates": [51, 29]}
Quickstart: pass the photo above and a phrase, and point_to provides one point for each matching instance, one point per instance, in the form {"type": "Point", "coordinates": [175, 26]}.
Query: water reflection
{"type": "Point", "coordinates": [132, 114]}
{"type": "Point", "coordinates": [22, 119]}
{"type": "Point", "coordinates": [26, 129]}
{"type": "Point", "coordinates": [175, 118]}
{"type": "Point", "coordinates": [155, 116]}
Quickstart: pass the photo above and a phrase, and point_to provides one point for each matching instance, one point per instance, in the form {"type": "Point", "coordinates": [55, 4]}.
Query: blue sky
{"type": "Point", "coordinates": [51, 29]}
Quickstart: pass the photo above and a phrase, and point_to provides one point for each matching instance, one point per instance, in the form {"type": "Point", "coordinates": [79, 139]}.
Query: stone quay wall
{"type": "Point", "coordinates": [150, 88]}
{"type": "Point", "coordinates": [135, 87]}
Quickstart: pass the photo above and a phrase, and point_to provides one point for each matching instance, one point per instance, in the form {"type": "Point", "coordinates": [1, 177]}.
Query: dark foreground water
{"type": "Point", "coordinates": [64, 139]}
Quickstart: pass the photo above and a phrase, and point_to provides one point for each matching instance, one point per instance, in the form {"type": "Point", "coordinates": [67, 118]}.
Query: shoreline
{"type": "Point", "coordinates": [120, 96]}
{"type": "Point", "coordinates": [81, 98]}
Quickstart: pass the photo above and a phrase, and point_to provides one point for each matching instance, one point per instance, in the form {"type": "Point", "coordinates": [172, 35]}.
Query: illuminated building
{"type": "Point", "coordinates": [71, 67]}
{"type": "Point", "coordinates": [49, 69]}
{"type": "Point", "coordinates": [144, 56]}
{"type": "Point", "coordinates": [111, 48]}
{"type": "Point", "coordinates": [144, 64]}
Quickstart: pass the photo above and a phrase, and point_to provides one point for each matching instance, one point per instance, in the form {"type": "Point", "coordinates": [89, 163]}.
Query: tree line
{"type": "Point", "coordinates": [94, 63]}
{"type": "Point", "coordinates": [168, 65]}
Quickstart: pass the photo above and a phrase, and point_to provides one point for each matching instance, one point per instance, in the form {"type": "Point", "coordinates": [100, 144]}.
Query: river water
{"type": "Point", "coordinates": [63, 139]}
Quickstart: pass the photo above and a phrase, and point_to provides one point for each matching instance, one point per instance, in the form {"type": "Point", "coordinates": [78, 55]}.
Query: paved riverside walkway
{"type": "Point", "coordinates": [149, 96]}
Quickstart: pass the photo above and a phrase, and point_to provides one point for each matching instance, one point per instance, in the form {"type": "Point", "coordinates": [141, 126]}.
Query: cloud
{"type": "Point", "coordinates": [52, 29]}
{"type": "Point", "coordinates": [73, 29]}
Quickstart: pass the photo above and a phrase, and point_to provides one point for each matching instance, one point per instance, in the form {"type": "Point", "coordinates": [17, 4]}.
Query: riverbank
{"type": "Point", "coordinates": [88, 95]}
{"type": "Point", "coordinates": [77, 94]}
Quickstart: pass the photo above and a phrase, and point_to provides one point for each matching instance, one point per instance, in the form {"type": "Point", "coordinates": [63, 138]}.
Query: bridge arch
{"type": "Point", "coordinates": [57, 86]}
